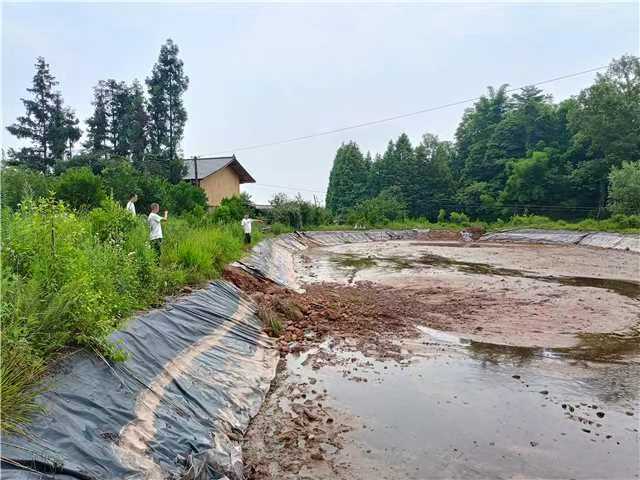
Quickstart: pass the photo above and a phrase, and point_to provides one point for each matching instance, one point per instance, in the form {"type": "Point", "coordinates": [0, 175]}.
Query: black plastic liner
{"type": "Point", "coordinates": [197, 372]}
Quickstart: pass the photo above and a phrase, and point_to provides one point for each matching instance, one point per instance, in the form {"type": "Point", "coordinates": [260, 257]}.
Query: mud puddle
{"type": "Point", "coordinates": [450, 411]}
{"type": "Point", "coordinates": [627, 288]}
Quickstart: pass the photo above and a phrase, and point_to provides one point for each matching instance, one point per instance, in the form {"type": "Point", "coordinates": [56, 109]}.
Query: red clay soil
{"type": "Point", "coordinates": [371, 314]}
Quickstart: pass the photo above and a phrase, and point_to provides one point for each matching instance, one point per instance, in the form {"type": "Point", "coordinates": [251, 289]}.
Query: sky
{"type": "Point", "coordinates": [262, 73]}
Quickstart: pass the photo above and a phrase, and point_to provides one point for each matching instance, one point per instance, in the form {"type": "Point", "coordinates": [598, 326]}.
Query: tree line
{"type": "Point", "coordinates": [145, 130]}
{"type": "Point", "coordinates": [512, 154]}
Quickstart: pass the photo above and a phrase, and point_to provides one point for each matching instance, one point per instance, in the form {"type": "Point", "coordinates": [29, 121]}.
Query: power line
{"type": "Point", "coordinates": [394, 117]}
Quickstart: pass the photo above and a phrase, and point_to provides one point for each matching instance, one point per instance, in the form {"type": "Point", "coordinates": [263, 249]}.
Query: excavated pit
{"type": "Point", "coordinates": [421, 358]}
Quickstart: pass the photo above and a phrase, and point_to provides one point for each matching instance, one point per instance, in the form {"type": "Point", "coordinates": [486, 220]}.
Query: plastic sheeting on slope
{"type": "Point", "coordinates": [588, 239]}
{"type": "Point", "coordinates": [615, 241]}
{"type": "Point", "coordinates": [530, 235]}
{"type": "Point", "coordinates": [197, 372]}
{"type": "Point", "coordinates": [274, 258]}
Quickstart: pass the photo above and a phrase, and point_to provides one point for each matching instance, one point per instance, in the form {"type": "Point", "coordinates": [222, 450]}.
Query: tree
{"type": "Point", "coordinates": [185, 197]}
{"type": "Point", "coordinates": [624, 189]}
{"type": "Point", "coordinates": [167, 115]}
{"type": "Point", "coordinates": [137, 125]}
{"type": "Point", "coordinates": [98, 131]}
{"type": "Point", "coordinates": [47, 123]}
{"type": "Point", "coordinates": [387, 206]}
{"type": "Point", "coordinates": [430, 179]}
{"type": "Point", "coordinates": [348, 180]}
{"type": "Point", "coordinates": [120, 180]}
{"type": "Point", "coordinates": [606, 127]}
{"type": "Point", "coordinates": [475, 132]}
{"type": "Point", "coordinates": [80, 188]}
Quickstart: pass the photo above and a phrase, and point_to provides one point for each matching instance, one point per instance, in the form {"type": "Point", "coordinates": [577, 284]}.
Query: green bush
{"type": "Point", "coordinates": [459, 218]}
{"type": "Point", "coordinates": [184, 197]}
{"type": "Point", "coordinates": [19, 184]}
{"type": "Point", "coordinates": [624, 189]}
{"type": "Point", "coordinates": [152, 189]}
{"type": "Point", "coordinates": [112, 222]}
{"type": "Point", "coordinates": [80, 188]}
{"type": "Point", "coordinates": [387, 207]}
{"type": "Point", "coordinates": [297, 213]}
{"type": "Point", "coordinates": [232, 209]}
{"type": "Point", "coordinates": [442, 215]}
{"type": "Point", "coordinates": [120, 180]}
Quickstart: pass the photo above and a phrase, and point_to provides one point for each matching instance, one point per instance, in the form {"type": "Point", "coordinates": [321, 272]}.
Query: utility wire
{"type": "Point", "coordinates": [394, 117]}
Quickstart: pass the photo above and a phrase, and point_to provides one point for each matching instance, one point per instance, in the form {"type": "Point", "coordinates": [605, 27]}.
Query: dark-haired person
{"type": "Point", "coordinates": [131, 204]}
{"type": "Point", "coordinates": [155, 229]}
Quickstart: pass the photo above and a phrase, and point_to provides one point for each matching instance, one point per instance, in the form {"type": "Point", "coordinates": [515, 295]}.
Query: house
{"type": "Point", "coordinates": [219, 177]}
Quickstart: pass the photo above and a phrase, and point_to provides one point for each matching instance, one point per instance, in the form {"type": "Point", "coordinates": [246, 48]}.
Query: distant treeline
{"type": "Point", "coordinates": [145, 129]}
{"type": "Point", "coordinates": [512, 154]}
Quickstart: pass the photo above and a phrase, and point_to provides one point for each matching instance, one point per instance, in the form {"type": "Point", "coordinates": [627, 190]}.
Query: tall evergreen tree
{"type": "Point", "coordinates": [348, 180]}
{"type": "Point", "coordinates": [137, 125]}
{"type": "Point", "coordinates": [98, 123]}
{"type": "Point", "coordinates": [167, 114]}
{"type": "Point", "coordinates": [47, 124]}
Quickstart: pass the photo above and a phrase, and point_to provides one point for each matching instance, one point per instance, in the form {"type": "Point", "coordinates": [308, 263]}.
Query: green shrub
{"type": "Point", "coordinates": [80, 188]}
{"type": "Point", "coordinates": [459, 218]}
{"type": "Point", "coordinates": [624, 189]}
{"type": "Point", "coordinates": [120, 180]}
{"type": "Point", "coordinates": [19, 184]}
{"type": "Point", "coordinates": [442, 215]}
{"type": "Point", "coordinates": [111, 221]}
{"type": "Point", "coordinates": [387, 207]}
{"type": "Point", "coordinates": [185, 197]}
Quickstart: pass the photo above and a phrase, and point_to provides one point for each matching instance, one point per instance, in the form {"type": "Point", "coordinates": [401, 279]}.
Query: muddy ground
{"type": "Point", "coordinates": [452, 360]}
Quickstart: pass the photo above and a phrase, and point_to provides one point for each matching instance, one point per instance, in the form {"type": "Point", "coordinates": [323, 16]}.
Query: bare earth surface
{"type": "Point", "coordinates": [452, 360]}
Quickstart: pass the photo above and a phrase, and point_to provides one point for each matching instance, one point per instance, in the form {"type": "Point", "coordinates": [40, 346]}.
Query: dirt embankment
{"type": "Point", "coordinates": [369, 314]}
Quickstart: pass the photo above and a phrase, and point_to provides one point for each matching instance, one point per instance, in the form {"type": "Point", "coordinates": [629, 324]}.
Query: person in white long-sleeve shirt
{"type": "Point", "coordinates": [131, 204]}
{"type": "Point", "coordinates": [246, 226]}
{"type": "Point", "coordinates": [155, 229]}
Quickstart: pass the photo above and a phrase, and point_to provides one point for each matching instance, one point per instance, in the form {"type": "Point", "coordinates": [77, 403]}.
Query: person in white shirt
{"type": "Point", "coordinates": [246, 226]}
{"type": "Point", "coordinates": [155, 229]}
{"type": "Point", "coordinates": [131, 204]}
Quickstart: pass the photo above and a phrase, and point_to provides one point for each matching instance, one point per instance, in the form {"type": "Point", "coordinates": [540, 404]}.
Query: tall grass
{"type": "Point", "coordinates": [69, 279]}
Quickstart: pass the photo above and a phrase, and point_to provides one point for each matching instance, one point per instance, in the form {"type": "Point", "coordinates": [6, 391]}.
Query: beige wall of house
{"type": "Point", "coordinates": [222, 184]}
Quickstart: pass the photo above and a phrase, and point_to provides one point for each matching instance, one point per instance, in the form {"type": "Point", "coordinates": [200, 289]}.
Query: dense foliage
{"type": "Point", "coordinates": [512, 154]}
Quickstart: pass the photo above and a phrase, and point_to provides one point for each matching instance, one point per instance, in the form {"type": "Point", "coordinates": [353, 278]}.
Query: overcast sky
{"type": "Point", "coordinates": [263, 73]}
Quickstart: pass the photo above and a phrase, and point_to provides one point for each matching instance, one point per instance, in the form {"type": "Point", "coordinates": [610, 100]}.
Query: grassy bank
{"type": "Point", "coordinates": [69, 279]}
{"type": "Point", "coordinates": [617, 223]}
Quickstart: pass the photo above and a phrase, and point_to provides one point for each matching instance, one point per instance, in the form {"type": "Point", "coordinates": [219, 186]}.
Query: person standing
{"type": "Point", "coordinates": [246, 226]}
{"type": "Point", "coordinates": [131, 204]}
{"type": "Point", "coordinates": [155, 229]}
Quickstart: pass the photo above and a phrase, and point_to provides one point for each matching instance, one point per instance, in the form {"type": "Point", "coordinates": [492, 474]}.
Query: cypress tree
{"type": "Point", "coordinates": [167, 115]}
{"type": "Point", "coordinates": [348, 180]}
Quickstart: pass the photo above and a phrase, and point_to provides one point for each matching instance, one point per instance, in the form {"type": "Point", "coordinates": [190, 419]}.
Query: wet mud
{"type": "Point", "coordinates": [451, 360]}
